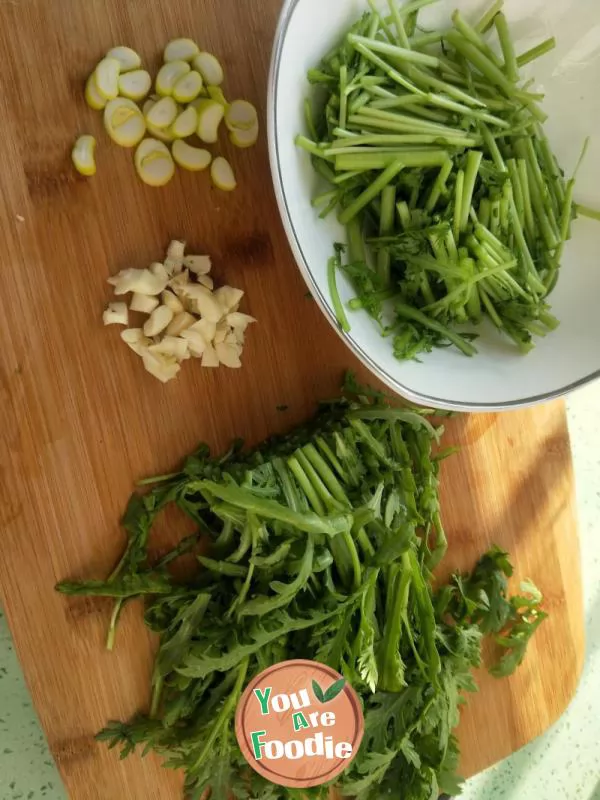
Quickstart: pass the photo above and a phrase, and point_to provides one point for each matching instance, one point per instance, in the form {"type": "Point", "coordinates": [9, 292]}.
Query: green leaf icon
{"type": "Point", "coordinates": [334, 690]}
{"type": "Point", "coordinates": [331, 693]}
{"type": "Point", "coordinates": [318, 692]}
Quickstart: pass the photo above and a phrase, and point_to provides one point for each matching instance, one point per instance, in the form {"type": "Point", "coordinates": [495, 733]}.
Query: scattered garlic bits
{"type": "Point", "coordinates": [182, 315]}
{"type": "Point", "coordinates": [188, 104]}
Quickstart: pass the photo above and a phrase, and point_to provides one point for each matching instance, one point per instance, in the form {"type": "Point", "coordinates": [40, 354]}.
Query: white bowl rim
{"type": "Point", "coordinates": [285, 18]}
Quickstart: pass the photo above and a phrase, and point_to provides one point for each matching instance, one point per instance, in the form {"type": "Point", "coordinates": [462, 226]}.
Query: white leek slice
{"type": "Point", "coordinates": [143, 303]}
{"type": "Point", "coordinates": [216, 93]}
{"type": "Point", "coordinates": [222, 174]}
{"type": "Point", "coordinates": [209, 67]}
{"type": "Point", "coordinates": [188, 87]}
{"type": "Point", "coordinates": [157, 170]}
{"type": "Point", "coordinates": [106, 76]}
{"type": "Point", "coordinates": [116, 314]}
{"type": "Point", "coordinates": [181, 50]}
{"type": "Point", "coordinates": [135, 84]}
{"type": "Point", "coordinates": [210, 114]}
{"type": "Point", "coordinates": [241, 115]}
{"type": "Point", "coordinates": [92, 96]}
{"type": "Point", "coordinates": [168, 75]}
{"type": "Point", "coordinates": [83, 155]}
{"type": "Point", "coordinates": [191, 158]}
{"type": "Point", "coordinates": [180, 323]}
{"type": "Point", "coordinates": [185, 125]}
{"type": "Point", "coordinates": [124, 122]}
{"type": "Point", "coordinates": [158, 320]}
{"type": "Point", "coordinates": [244, 138]}
{"type": "Point", "coordinates": [163, 114]}
{"type": "Point", "coordinates": [128, 59]}
{"type": "Point", "coordinates": [200, 265]}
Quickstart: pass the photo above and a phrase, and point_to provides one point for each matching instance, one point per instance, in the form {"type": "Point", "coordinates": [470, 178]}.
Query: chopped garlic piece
{"type": "Point", "coordinates": [143, 303]}
{"type": "Point", "coordinates": [221, 332]}
{"type": "Point", "coordinates": [175, 255]}
{"type": "Point", "coordinates": [200, 265]}
{"type": "Point", "coordinates": [173, 346]}
{"type": "Point", "coordinates": [180, 323]}
{"type": "Point", "coordinates": [202, 302]}
{"type": "Point", "coordinates": [180, 282]}
{"type": "Point", "coordinates": [196, 342]}
{"type": "Point", "coordinates": [135, 339]}
{"type": "Point", "coordinates": [238, 320]}
{"type": "Point", "coordinates": [141, 281]}
{"type": "Point", "coordinates": [210, 357]}
{"type": "Point", "coordinates": [205, 328]}
{"type": "Point", "coordinates": [228, 298]}
{"type": "Point", "coordinates": [162, 367]}
{"type": "Point", "coordinates": [228, 355]}
{"type": "Point", "coordinates": [172, 301]}
{"type": "Point", "coordinates": [159, 269]}
{"type": "Point", "coordinates": [158, 321]}
{"type": "Point", "coordinates": [116, 314]}
{"type": "Point", "coordinates": [207, 281]}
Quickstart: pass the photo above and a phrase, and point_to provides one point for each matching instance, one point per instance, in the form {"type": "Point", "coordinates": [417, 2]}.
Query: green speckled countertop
{"type": "Point", "coordinates": [564, 764]}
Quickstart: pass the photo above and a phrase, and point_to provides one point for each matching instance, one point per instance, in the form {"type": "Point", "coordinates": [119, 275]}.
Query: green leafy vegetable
{"type": "Point", "coordinates": [320, 544]}
{"type": "Point", "coordinates": [432, 151]}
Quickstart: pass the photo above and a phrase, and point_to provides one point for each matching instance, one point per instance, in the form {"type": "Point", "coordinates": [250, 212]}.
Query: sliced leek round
{"type": "Point", "coordinates": [106, 76]}
{"type": "Point", "coordinates": [135, 85]}
{"type": "Point", "coordinates": [210, 114]}
{"type": "Point", "coordinates": [241, 115]}
{"type": "Point", "coordinates": [83, 155]}
{"type": "Point", "coordinates": [168, 75]}
{"type": "Point", "coordinates": [163, 114]}
{"type": "Point", "coordinates": [124, 122]}
{"type": "Point", "coordinates": [188, 87]}
{"type": "Point", "coordinates": [181, 50]}
{"type": "Point", "coordinates": [128, 59]}
{"type": "Point", "coordinates": [191, 158]}
{"type": "Point", "coordinates": [92, 96]}
{"type": "Point", "coordinates": [222, 174]}
{"type": "Point", "coordinates": [244, 138]}
{"type": "Point", "coordinates": [216, 93]}
{"type": "Point", "coordinates": [209, 67]}
{"type": "Point", "coordinates": [186, 124]}
{"type": "Point", "coordinates": [162, 134]}
{"type": "Point", "coordinates": [154, 163]}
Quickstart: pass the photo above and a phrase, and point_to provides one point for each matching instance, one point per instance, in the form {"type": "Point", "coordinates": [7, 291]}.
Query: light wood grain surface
{"type": "Point", "coordinates": [81, 420]}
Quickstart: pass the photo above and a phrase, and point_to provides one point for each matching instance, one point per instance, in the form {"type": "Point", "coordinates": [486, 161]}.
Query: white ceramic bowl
{"type": "Point", "coordinates": [497, 377]}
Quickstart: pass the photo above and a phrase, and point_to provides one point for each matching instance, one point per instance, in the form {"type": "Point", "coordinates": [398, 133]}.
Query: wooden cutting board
{"type": "Point", "coordinates": [82, 420]}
